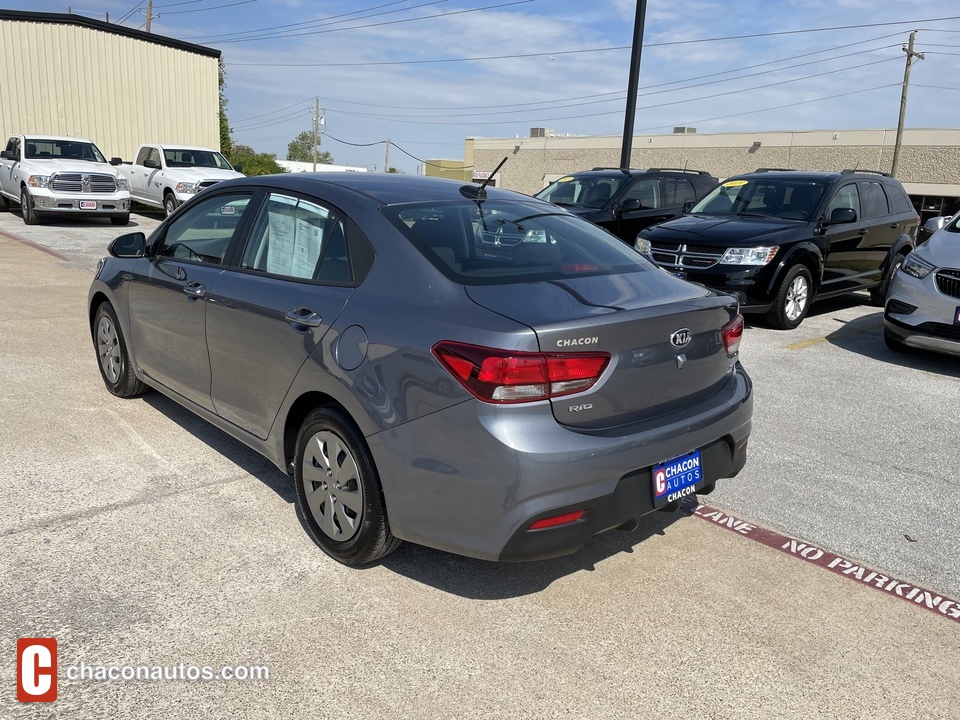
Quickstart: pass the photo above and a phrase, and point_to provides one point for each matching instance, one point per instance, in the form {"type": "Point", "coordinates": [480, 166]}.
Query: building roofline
{"type": "Point", "coordinates": [113, 28]}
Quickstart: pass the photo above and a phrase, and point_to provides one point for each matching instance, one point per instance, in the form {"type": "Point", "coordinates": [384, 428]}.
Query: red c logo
{"type": "Point", "coordinates": [37, 669]}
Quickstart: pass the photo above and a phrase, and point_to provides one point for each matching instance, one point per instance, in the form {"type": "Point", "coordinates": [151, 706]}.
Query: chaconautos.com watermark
{"type": "Point", "coordinates": [38, 671]}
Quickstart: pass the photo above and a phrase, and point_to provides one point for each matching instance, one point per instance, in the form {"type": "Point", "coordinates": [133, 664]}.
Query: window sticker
{"type": "Point", "coordinates": [735, 183]}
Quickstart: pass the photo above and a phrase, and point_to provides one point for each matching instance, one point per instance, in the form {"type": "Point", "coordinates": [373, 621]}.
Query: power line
{"type": "Point", "coordinates": [394, 144]}
{"type": "Point", "coordinates": [391, 22]}
{"type": "Point", "coordinates": [275, 111]}
{"type": "Point", "coordinates": [316, 22]}
{"type": "Point", "coordinates": [395, 118]}
{"type": "Point", "coordinates": [274, 121]}
{"type": "Point", "coordinates": [215, 7]}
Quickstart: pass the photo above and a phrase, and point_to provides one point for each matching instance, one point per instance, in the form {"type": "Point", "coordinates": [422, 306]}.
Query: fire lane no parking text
{"type": "Point", "coordinates": [837, 564]}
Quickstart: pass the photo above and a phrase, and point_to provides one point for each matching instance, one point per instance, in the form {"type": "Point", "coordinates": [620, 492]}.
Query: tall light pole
{"type": "Point", "coordinates": [631, 113]}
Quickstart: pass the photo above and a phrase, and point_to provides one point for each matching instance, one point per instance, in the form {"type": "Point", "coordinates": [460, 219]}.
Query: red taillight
{"type": "Point", "coordinates": [732, 334]}
{"type": "Point", "coordinates": [556, 520]}
{"type": "Point", "coordinates": [504, 376]}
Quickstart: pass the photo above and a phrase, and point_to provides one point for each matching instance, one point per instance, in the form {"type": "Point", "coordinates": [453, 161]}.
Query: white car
{"type": "Point", "coordinates": [923, 301]}
{"type": "Point", "coordinates": [61, 176]}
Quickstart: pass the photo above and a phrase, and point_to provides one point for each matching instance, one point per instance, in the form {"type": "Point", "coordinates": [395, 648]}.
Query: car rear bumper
{"type": "Point", "coordinates": [472, 478]}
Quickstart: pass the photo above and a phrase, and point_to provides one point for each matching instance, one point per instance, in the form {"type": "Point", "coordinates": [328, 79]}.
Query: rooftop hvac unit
{"type": "Point", "coordinates": [542, 132]}
{"type": "Point", "coordinates": [684, 130]}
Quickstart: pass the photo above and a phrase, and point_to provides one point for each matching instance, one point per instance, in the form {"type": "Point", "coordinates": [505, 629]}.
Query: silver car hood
{"type": "Point", "coordinates": [942, 249]}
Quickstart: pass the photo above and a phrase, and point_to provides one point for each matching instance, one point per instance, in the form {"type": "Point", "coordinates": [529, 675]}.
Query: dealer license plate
{"type": "Point", "coordinates": [677, 478]}
{"type": "Point", "coordinates": [88, 204]}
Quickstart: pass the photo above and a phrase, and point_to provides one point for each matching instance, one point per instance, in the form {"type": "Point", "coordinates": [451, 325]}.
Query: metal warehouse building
{"type": "Point", "coordinates": [72, 75]}
{"type": "Point", "coordinates": [929, 162]}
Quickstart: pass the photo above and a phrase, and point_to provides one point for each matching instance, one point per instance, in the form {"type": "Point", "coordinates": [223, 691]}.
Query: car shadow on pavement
{"type": "Point", "coordinates": [864, 335]}
{"type": "Point", "coordinates": [483, 580]}
{"type": "Point", "coordinates": [233, 450]}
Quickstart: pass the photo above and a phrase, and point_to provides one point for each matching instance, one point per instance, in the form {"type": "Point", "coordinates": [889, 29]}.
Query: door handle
{"type": "Point", "coordinates": [195, 289]}
{"type": "Point", "coordinates": [894, 225]}
{"type": "Point", "coordinates": [303, 316]}
{"type": "Point", "coordinates": [863, 231]}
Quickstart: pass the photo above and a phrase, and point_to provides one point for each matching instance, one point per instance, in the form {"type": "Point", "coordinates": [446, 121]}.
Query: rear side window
{"type": "Point", "coordinates": [677, 191]}
{"type": "Point", "coordinates": [298, 239]}
{"type": "Point", "coordinates": [874, 200]}
{"type": "Point", "coordinates": [899, 200]}
{"type": "Point", "coordinates": [647, 191]}
{"type": "Point", "coordinates": [498, 242]}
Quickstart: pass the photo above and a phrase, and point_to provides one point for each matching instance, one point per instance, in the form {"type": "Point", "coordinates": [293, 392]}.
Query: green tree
{"type": "Point", "coordinates": [392, 169]}
{"type": "Point", "coordinates": [252, 162]}
{"type": "Point", "coordinates": [300, 149]}
{"type": "Point", "coordinates": [226, 132]}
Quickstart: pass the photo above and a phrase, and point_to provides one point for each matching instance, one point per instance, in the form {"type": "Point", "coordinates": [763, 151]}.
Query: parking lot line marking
{"type": "Point", "coordinates": [826, 338]}
{"type": "Point", "coordinates": [34, 245]}
{"type": "Point", "coordinates": [945, 607]}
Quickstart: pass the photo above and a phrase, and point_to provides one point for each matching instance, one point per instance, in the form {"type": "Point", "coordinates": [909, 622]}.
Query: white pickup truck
{"type": "Point", "coordinates": [165, 176]}
{"type": "Point", "coordinates": [61, 175]}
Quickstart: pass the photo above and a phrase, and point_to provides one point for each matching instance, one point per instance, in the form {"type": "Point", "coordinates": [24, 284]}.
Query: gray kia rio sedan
{"type": "Point", "coordinates": [470, 369]}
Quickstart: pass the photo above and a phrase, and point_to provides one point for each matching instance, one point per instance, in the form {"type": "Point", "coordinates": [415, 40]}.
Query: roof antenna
{"type": "Point", "coordinates": [480, 193]}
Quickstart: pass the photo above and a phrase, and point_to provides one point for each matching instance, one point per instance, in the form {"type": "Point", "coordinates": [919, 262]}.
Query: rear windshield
{"type": "Point", "coordinates": [499, 242]}
{"type": "Point", "coordinates": [784, 198]}
{"type": "Point", "coordinates": [588, 191]}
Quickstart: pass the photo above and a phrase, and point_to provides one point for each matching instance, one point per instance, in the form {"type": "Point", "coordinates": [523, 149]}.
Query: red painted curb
{"type": "Point", "coordinates": [34, 245]}
{"type": "Point", "coordinates": [837, 564]}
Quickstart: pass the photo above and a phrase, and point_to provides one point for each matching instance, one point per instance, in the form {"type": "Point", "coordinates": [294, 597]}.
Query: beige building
{"type": "Point", "coordinates": [929, 159]}
{"type": "Point", "coordinates": [72, 75]}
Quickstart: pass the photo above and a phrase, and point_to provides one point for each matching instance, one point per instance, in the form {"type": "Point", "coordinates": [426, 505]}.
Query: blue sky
{"type": "Point", "coordinates": [372, 64]}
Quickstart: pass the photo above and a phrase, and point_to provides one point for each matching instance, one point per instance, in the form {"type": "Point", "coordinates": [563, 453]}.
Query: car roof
{"type": "Point", "coordinates": [830, 176]}
{"type": "Point", "coordinates": [175, 146]}
{"type": "Point", "coordinates": [58, 138]}
{"type": "Point", "coordinates": [386, 188]}
{"type": "Point", "coordinates": [631, 172]}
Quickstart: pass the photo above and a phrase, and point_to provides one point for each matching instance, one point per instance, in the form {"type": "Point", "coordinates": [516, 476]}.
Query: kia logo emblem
{"type": "Point", "coordinates": [681, 338]}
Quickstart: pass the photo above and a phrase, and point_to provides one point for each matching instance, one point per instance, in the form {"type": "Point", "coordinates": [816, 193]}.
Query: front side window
{"type": "Point", "coordinates": [298, 239]}
{"type": "Point", "coordinates": [846, 197]}
{"type": "Point", "coordinates": [142, 156]}
{"type": "Point", "coordinates": [589, 191]}
{"type": "Point", "coordinates": [647, 191]}
{"type": "Point", "coordinates": [204, 232]}
{"type": "Point", "coordinates": [497, 242]}
{"type": "Point", "coordinates": [14, 146]}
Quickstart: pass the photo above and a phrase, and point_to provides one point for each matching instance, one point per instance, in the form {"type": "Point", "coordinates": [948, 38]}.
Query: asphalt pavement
{"type": "Point", "coordinates": [136, 534]}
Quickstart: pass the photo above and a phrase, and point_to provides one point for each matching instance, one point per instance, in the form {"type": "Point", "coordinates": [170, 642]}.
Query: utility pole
{"type": "Point", "coordinates": [631, 113]}
{"type": "Point", "coordinates": [316, 132]}
{"type": "Point", "coordinates": [149, 14]}
{"type": "Point", "coordinates": [386, 158]}
{"type": "Point", "coordinates": [903, 100]}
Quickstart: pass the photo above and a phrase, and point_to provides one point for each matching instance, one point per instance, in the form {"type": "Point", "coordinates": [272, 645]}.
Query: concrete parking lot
{"type": "Point", "coordinates": [138, 535]}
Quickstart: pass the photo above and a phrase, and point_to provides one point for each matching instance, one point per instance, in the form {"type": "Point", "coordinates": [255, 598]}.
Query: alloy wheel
{"type": "Point", "coordinates": [796, 300]}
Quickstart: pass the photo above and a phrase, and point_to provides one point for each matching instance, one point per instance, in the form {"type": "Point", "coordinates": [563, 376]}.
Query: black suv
{"type": "Point", "coordinates": [779, 239]}
{"type": "Point", "coordinates": [626, 201]}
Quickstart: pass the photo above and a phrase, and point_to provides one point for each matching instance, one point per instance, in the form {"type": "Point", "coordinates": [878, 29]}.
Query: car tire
{"type": "Point", "coordinates": [170, 204]}
{"type": "Point", "coordinates": [793, 298]}
{"type": "Point", "coordinates": [895, 343]}
{"type": "Point", "coordinates": [27, 210]}
{"type": "Point", "coordinates": [878, 295]}
{"type": "Point", "coordinates": [333, 464]}
{"type": "Point", "coordinates": [121, 220]}
{"type": "Point", "coordinates": [112, 356]}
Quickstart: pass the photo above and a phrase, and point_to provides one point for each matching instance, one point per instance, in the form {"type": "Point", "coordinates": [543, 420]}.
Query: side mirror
{"type": "Point", "coordinates": [152, 164]}
{"type": "Point", "coordinates": [116, 161]}
{"type": "Point", "coordinates": [688, 205]}
{"type": "Point", "coordinates": [238, 168]}
{"type": "Point", "coordinates": [934, 224]}
{"type": "Point", "coordinates": [631, 205]}
{"type": "Point", "coordinates": [131, 245]}
{"type": "Point", "coordinates": [842, 216]}
{"type": "Point", "coordinates": [8, 155]}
